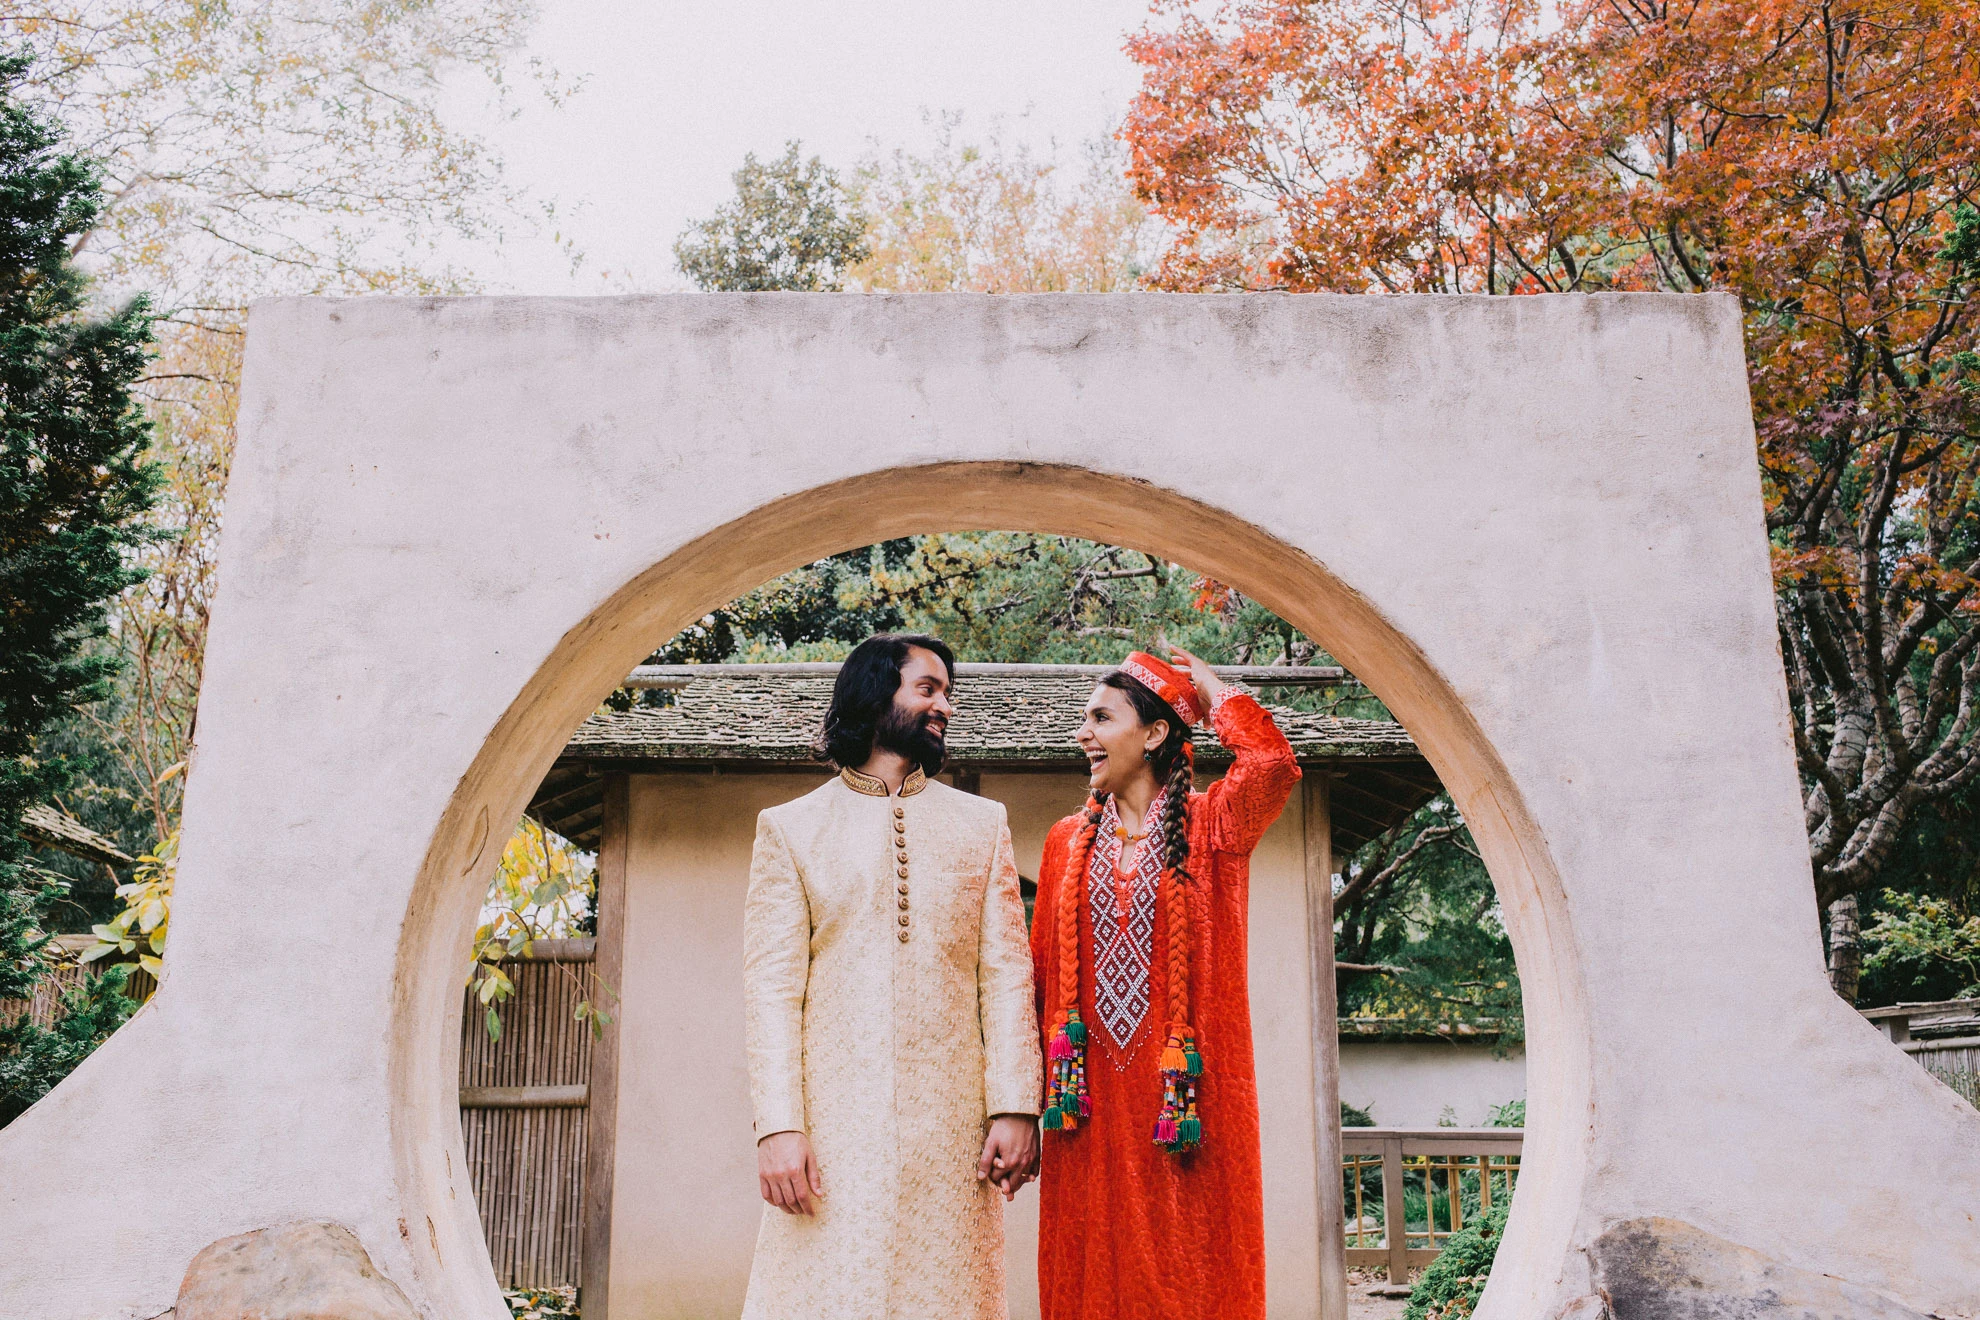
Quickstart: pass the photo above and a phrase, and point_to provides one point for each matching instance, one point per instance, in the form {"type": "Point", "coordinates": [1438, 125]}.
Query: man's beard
{"type": "Point", "coordinates": [913, 737]}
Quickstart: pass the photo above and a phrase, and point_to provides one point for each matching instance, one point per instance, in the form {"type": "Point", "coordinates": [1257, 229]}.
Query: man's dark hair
{"type": "Point", "coordinates": [863, 696]}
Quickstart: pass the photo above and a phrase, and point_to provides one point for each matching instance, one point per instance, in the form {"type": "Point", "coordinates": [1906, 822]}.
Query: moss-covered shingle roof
{"type": "Point", "coordinates": [1017, 721]}
{"type": "Point", "coordinates": [1003, 722]}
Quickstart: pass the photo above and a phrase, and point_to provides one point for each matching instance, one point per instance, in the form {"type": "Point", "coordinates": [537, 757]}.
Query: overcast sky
{"type": "Point", "coordinates": [674, 93]}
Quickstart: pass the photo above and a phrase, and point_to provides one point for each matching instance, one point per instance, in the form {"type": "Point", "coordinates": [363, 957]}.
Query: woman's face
{"type": "Point", "coordinates": [1116, 742]}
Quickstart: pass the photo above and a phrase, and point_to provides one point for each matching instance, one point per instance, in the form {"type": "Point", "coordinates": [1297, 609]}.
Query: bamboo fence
{"type": "Point", "coordinates": [523, 1120]}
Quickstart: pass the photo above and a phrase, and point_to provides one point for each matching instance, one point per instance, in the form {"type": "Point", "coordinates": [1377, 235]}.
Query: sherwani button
{"type": "Point", "coordinates": [904, 888]}
{"type": "Point", "coordinates": [904, 937]}
{"type": "Point", "coordinates": [904, 902]}
{"type": "Point", "coordinates": [903, 858]}
{"type": "Point", "coordinates": [903, 872]}
{"type": "Point", "coordinates": [899, 812]}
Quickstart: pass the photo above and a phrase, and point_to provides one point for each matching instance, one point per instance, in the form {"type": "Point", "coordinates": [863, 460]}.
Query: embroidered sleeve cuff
{"type": "Point", "coordinates": [1017, 1100]}
{"type": "Point", "coordinates": [1226, 692]}
{"type": "Point", "coordinates": [778, 1118]}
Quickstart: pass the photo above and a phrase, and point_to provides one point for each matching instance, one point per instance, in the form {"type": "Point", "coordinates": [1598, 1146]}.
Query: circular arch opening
{"type": "Point", "coordinates": [594, 657]}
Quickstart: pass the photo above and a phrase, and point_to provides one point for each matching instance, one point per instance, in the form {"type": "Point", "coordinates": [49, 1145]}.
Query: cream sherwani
{"type": "Point", "coordinates": [889, 1016]}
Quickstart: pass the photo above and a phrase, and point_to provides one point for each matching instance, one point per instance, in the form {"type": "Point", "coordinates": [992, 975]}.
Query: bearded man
{"type": "Point", "coordinates": [894, 1056]}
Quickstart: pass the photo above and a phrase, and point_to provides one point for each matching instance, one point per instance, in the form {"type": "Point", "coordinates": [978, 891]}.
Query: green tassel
{"type": "Point", "coordinates": [1195, 1061]}
{"type": "Point", "coordinates": [1189, 1132]}
{"type": "Point", "coordinates": [1053, 1120]}
{"type": "Point", "coordinates": [1076, 1032]}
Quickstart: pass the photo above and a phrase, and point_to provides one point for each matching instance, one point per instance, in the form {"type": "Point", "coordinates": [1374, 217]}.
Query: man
{"type": "Point", "coordinates": [892, 1030]}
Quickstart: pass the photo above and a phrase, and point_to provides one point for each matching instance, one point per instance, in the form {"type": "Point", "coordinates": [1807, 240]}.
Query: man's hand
{"type": "Point", "coordinates": [787, 1172]}
{"type": "Point", "coordinates": [1010, 1153]}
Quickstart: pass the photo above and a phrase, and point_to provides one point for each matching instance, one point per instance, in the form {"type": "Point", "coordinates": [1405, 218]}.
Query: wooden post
{"type": "Point", "coordinates": [1395, 1220]}
{"type": "Point", "coordinates": [602, 1112]}
{"type": "Point", "coordinates": [1319, 857]}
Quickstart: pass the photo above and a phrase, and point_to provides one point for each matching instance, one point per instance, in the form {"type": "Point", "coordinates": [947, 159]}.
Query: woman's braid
{"type": "Point", "coordinates": [1175, 846]}
{"type": "Point", "coordinates": [1072, 895]}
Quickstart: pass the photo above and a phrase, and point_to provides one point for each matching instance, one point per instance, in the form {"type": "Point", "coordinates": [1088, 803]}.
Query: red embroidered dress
{"type": "Point", "coordinates": [1127, 1229]}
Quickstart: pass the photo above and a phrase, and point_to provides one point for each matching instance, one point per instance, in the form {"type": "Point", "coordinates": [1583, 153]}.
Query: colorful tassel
{"type": "Point", "coordinates": [1179, 1127]}
{"type": "Point", "coordinates": [1065, 1093]}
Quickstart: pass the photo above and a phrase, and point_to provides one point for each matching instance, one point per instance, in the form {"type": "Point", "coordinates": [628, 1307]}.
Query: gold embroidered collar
{"type": "Point", "coordinates": [872, 787]}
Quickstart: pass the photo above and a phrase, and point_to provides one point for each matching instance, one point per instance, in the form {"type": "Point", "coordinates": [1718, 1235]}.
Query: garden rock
{"type": "Point", "coordinates": [1665, 1269]}
{"type": "Point", "coordinates": [304, 1271]}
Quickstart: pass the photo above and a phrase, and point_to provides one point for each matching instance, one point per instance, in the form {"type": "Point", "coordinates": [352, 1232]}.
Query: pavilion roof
{"type": "Point", "coordinates": [1005, 721]}
{"type": "Point", "coordinates": [49, 828]}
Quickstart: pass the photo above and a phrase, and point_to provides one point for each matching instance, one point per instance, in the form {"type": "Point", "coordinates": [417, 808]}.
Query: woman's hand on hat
{"type": "Point", "coordinates": [1207, 684]}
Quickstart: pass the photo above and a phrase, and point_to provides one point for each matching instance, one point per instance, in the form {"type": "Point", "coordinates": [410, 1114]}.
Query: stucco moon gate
{"type": "Point", "coordinates": [1532, 525]}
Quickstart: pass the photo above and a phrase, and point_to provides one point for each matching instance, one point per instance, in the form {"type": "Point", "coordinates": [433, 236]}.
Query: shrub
{"type": "Point", "coordinates": [542, 1303]}
{"type": "Point", "coordinates": [1450, 1288]}
{"type": "Point", "coordinates": [34, 1058]}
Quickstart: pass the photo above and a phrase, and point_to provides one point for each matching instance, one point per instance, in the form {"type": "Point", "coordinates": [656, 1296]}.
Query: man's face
{"type": "Point", "coordinates": [919, 720]}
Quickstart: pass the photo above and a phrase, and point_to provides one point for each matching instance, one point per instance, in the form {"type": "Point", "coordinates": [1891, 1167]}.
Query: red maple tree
{"type": "Point", "coordinates": [1817, 159]}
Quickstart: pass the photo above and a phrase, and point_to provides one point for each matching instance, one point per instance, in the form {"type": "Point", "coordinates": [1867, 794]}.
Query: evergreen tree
{"type": "Point", "coordinates": [74, 490]}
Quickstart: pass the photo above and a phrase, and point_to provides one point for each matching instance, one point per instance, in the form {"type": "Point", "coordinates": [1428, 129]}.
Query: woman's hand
{"type": "Point", "coordinates": [787, 1173]}
{"type": "Point", "coordinates": [1208, 685]}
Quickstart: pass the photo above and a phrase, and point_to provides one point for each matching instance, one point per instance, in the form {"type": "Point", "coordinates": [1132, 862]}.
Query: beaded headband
{"type": "Point", "coordinates": [1167, 682]}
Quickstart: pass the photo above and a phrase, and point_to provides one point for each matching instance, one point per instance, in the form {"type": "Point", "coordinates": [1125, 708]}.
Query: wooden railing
{"type": "Point", "coordinates": [1407, 1190]}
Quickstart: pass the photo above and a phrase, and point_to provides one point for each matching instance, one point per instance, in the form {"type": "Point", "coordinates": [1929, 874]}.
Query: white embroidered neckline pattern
{"type": "Point", "coordinates": [1123, 944]}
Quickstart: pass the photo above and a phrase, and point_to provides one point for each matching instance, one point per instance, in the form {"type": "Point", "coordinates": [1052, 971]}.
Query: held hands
{"type": "Point", "coordinates": [787, 1173]}
{"type": "Point", "coordinates": [1010, 1153]}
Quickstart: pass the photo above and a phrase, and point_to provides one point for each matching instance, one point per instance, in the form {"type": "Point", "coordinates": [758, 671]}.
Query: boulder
{"type": "Point", "coordinates": [306, 1271]}
{"type": "Point", "coordinates": [1665, 1269]}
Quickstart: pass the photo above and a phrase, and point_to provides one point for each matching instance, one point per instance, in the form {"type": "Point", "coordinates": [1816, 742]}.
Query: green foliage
{"type": "Point", "coordinates": [542, 1303]}
{"type": "Point", "coordinates": [1922, 947]}
{"type": "Point", "coordinates": [1511, 1114]}
{"type": "Point", "coordinates": [1912, 948]}
{"type": "Point", "coordinates": [544, 888]}
{"type": "Point", "coordinates": [74, 489]}
{"type": "Point", "coordinates": [1001, 596]}
{"type": "Point", "coordinates": [819, 611]}
{"type": "Point", "coordinates": [1418, 929]}
{"type": "Point", "coordinates": [791, 226]}
{"type": "Point", "coordinates": [33, 1058]}
{"type": "Point", "coordinates": [1451, 1286]}
{"type": "Point", "coordinates": [1352, 1117]}
{"type": "Point", "coordinates": [140, 929]}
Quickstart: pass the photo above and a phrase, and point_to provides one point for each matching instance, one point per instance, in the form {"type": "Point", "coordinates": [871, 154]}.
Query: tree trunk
{"type": "Point", "coordinates": [1845, 948]}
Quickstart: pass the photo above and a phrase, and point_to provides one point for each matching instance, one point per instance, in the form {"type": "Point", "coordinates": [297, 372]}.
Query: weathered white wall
{"type": "Point", "coordinates": [1408, 1084]}
{"type": "Point", "coordinates": [684, 1094]}
{"type": "Point", "coordinates": [1533, 525]}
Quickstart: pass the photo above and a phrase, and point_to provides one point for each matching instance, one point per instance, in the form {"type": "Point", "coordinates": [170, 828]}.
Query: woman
{"type": "Point", "coordinates": [1150, 1195]}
